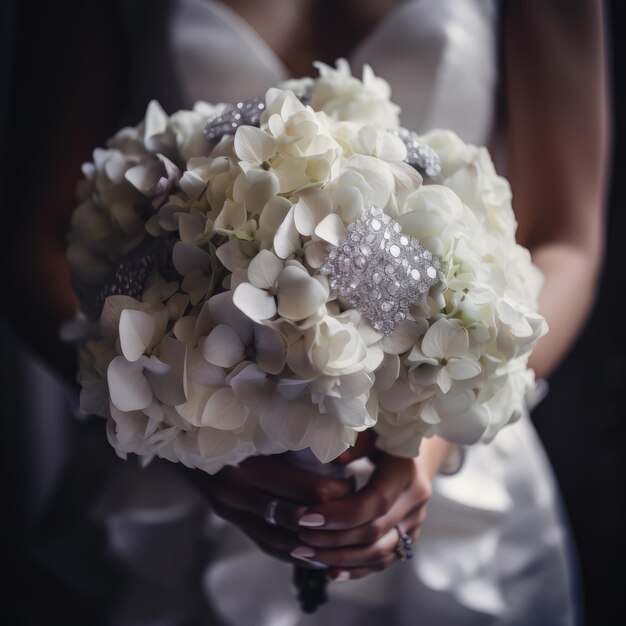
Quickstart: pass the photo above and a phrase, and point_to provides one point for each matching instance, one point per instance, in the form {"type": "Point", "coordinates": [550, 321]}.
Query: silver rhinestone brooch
{"type": "Point", "coordinates": [128, 280]}
{"type": "Point", "coordinates": [419, 155]}
{"type": "Point", "coordinates": [248, 113]}
{"type": "Point", "coordinates": [232, 116]}
{"type": "Point", "coordinates": [379, 270]}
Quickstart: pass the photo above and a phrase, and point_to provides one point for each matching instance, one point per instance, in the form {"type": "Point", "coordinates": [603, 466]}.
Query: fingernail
{"type": "Point", "coordinates": [315, 564]}
{"type": "Point", "coordinates": [302, 552]}
{"type": "Point", "coordinates": [312, 519]}
{"type": "Point", "coordinates": [342, 577]}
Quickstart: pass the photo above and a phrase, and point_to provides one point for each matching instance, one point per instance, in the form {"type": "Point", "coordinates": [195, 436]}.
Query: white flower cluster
{"type": "Point", "coordinates": [232, 342]}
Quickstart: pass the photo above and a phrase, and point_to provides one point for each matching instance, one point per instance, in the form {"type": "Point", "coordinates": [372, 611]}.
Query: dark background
{"type": "Point", "coordinates": [582, 422]}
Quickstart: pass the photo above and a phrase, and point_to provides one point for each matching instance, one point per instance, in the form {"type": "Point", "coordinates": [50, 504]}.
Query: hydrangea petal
{"type": "Point", "coordinates": [397, 398]}
{"type": "Point", "coordinates": [315, 253]}
{"type": "Point", "coordinates": [270, 348]}
{"type": "Point", "coordinates": [328, 440]}
{"type": "Point", "coordinates": [264, 270]}
{"type": "Point", "coordinates": [187, 257]}
{"type": "Point", "coordinates": [223, 347]}
{"type": "Point", "coordinates": [291, 175]}
{"type": "Point", "coordinates": [224, 411]}
{"type": "Point", "coordinates": [232, 255]}
{"type": "Point", "coordinates": [222, 310]}
{"type": "Point", "coordinates": [169, 387]}
{"type": "Point", "coordinates": [200, 372]}
{"type": "Point", "coordinates": [128, 387]}
{"type": "Point", "coordinates": [256, 303]}
{"type": "Point", "coordinates": [443, 379]}
{"type": "Point", "coordinates": [348, 203]}
{"type": "Point", "coordinates": [299, 295]}
{"type": "Point", "coordinates": [331, 229]}
{"type": "Point", "coordinates": [350, 412]}
{"type": "Point", "coordinates": [155, 120]}
{"type": "Point", "coordinates": [465, 428]}
{"type": "Point", "coordinates": [288, 421]}
{"type": "Point", "coordinates": [139, 330]}
{"type": "Point", "coordinates": [388, 372]}
{"type": "Point", "coordinates": [261, 186]}
{"type": "Point", "coordinates": [404, 337]}
{"type": "Point", "coordinates": [445, 338]}
{"type": "Point", "coordinates": [215, 443]}
{"type": "Point", "coordinates": [463, 369]}
{"type": "Point", "coordinates": [312, 207]}
{"type": "Point", "coordinates": [391, 148]}
{"type": "Point", "coordinates": [273, 214]}
{"type": "Point", "coordinates": [287, 239]}
{"type": "Point", "coordinates": [254, 145]}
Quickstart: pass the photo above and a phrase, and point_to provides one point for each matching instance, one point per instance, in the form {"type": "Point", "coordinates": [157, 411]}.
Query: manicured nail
{"type": "Point", "coordinates": [315, 564]}
{"type": "Point", "coordinates": [342, 577]}
{"type": "Point", "coordinates": [312, 520]}
{"type": "Point", "coordinates": [302, 552]}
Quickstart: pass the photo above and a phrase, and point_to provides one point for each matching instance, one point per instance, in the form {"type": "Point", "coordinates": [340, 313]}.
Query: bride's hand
{"type": "Point", "coordinates": [243, 495]}
{"type": "Point", "coordinates": [358, 534]}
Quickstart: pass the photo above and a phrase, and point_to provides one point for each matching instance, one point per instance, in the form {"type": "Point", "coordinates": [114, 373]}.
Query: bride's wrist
{"type": "Point", "coordinates": [437, 455]}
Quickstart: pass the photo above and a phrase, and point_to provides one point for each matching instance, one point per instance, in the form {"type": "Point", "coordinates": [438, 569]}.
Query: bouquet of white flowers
{"type": "Point", "coordinates": [286, 272]}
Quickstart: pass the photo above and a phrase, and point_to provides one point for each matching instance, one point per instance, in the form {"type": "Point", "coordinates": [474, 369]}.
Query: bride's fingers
{"type": "Point", "coordinates": [227, 496]}
{"type": "Point", "coordinates": [358, 556]}
{"type": "Point", "coordinates": [273, 540]}
{"type": "Point", "coordinates": [389, 480]}
{"type": "Point", "coordinates": [404, 512]}
{"type": "Point", "coordinates": [341, 574]}
{"type": "Point", "coordinates": [354, 573]}
{"type": "Point", "coordinates": [288, 481]}
{"type": "Point", "coordinates": [365, 445]}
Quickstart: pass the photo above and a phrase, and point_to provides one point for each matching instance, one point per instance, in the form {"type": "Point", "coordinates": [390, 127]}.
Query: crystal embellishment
{"type": "Point", "coordinates": [248, 113]}
{"type": "Point", "coordinates": [232, 116]}
{"type": "Point", "coordinates": [128, 280]}
{"type": "Point", "coordinates": [418, 155]}
{"type": "Point", "coordinates": [379, 270]}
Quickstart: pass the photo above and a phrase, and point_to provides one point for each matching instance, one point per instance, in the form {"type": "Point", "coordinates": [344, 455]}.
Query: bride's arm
{"type": "Point", "coordinates": [557, 138]}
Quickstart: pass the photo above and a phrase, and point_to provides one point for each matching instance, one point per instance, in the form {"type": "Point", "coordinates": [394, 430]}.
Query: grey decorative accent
{"type": "Point", "coordinates": [379, 270]}
{"type": "Point", "coordinates": [232, 116]}
{"type": "Point", "coordinates": [128, 280]}
{"type": "Point", "coordinates": [420, 156]}
{"type": "Point", "coordinates": [248, 113]}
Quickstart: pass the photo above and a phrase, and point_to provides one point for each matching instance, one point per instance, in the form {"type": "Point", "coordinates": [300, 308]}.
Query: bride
{"type": "Point", "coordinates": [526, 79]}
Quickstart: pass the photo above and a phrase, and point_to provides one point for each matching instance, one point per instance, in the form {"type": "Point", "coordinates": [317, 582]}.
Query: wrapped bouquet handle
{"type": "Point", "coordinates": [310, 587]}
{"type": "Point", "coordinates": [311, 582]}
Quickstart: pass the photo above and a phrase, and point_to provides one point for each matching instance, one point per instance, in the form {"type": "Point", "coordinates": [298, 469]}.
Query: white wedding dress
{"type": "Point", "coordinates": [493, 549]}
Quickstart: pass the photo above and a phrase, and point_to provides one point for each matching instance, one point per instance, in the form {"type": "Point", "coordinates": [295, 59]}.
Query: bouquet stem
{"type": "Point", "coordinates": [311, 587]}
{"type": "Point", "coordinates": [311, 583]}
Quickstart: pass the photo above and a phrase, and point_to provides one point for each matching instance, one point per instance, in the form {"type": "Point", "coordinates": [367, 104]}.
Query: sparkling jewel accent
{"type": "Point", "coordinates": [232, 116]}
{"type": "Point", "coordinates": [248, 113]}
{"type": "Point", "coordinates": [418, 155]}
{"type": "Point", "coordinates": [379, 270]}
{"type": "Point", "coordinates": [304, 93]}
{"type": "Point", "coordinates": [128, 280]}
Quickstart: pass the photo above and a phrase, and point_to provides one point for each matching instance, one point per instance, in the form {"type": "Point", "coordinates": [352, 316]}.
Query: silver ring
{"type": "Point", "coordinates": [404, 547]}
{"type": "Point", "coordinates": [270, 512]}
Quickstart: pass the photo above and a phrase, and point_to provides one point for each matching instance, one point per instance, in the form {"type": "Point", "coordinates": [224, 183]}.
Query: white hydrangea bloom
{"type": "Point", "coordinates": [211, 333]}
